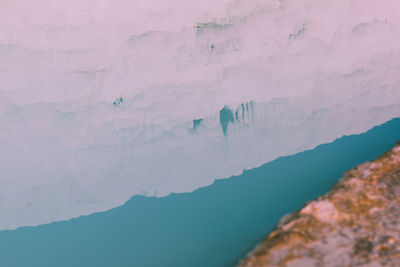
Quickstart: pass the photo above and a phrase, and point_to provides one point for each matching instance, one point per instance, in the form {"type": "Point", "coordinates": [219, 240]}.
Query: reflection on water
{"type": "Point", "coordinates": [212, 226]}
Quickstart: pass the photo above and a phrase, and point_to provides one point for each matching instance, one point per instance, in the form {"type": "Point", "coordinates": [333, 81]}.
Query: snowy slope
{"type": "Point", "coordinates": [102, 100]}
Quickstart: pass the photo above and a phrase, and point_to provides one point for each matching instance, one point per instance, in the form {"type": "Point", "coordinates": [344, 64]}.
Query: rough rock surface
{"type": "Point", "coordinates": [356, 224]}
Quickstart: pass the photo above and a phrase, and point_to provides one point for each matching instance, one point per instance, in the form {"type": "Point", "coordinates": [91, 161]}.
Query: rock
{"type": "Point", "coordinates": [356, 224]}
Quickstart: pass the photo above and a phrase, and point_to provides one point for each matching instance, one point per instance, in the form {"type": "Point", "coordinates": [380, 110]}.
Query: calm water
{"type": "Point", "coordinates": [212, 226]}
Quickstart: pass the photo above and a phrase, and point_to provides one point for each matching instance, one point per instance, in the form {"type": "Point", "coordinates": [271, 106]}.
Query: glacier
{"type": "Point", "coordinates": [103, 100]}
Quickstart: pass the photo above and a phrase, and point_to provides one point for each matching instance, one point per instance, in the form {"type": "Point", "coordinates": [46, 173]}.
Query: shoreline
{"type": "Point", "coordinates": [356, 223]}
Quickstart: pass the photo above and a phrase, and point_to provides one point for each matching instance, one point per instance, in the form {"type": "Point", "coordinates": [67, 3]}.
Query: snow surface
{"type": "Point", "coordinates": [102, 100]}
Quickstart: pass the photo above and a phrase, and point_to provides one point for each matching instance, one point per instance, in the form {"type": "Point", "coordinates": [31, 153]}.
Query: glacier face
{"type": "Point", "coordinates": [102, 100]}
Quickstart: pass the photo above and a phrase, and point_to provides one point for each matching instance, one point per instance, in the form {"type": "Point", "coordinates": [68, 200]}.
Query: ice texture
{"type": "Point", "coordinates": [102, 100]}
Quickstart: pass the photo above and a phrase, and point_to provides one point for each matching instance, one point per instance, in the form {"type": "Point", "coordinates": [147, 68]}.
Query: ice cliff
{"type": "Point", "coordinates": [102, 100]}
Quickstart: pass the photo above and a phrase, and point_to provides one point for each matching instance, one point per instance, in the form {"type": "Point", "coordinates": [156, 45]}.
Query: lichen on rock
{"type": "Point", "coordinates": [356, 224]}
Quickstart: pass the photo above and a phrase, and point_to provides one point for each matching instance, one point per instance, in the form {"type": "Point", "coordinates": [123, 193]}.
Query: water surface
{"type": "Point", "coordinates": [212, 226]}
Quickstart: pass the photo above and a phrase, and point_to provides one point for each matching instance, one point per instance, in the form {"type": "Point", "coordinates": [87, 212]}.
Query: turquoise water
{"type": "Point", "coordinates": [212, 226]}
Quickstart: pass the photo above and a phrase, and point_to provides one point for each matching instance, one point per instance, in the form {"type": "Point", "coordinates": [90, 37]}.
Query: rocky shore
{"type": "Point", "coordinates": [356, 224]}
